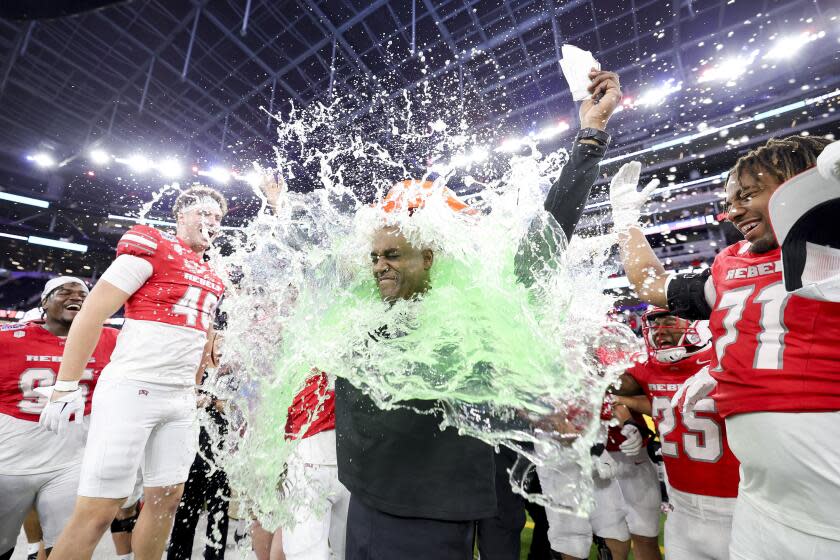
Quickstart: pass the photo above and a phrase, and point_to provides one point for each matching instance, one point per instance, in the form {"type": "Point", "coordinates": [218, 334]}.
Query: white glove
{"type": "Point", "coordinates": [632, 445]}
{"type": "Point", "coordinates": [697, 387]}
{"type": "Point", "coordinates": [604, 466]}
{"type": "Point", "coordinates": [625, 200]}
{"type": "Point", "coordinates": [56, 414]}
{"type": "Point", "coordinates": [828, 162]}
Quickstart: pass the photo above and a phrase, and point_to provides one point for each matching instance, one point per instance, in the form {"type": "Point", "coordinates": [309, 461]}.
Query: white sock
{"type": "Point", "coordinates": [32, 548]}
{"type": "Point", "coordinates": [129, 556]}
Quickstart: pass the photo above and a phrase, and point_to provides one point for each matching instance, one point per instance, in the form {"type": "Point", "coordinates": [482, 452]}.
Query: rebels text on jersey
{"type": "Point", "coordinates": [167, 318]}
{"type": "Point", "coordinates": [774, 351]}
{"type": "Point", "coordinates": [30, 357]}
{"type": "Point", "coordinates": [697, 457]}
{"type": "Point", "coordinates": [182, 291]}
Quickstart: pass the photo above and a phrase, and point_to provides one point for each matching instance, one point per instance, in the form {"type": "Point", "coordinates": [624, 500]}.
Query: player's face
{"type": "Point", "coordinates": [747, 201]}
{"type": "Point", "coordinates": [65, 302]}
{"type": "Point", "coordinates": [668, 330]}
{"type": "Point", "coordinates": [400, 270]}
{"type": "Point", "coordinates": [199, 225]}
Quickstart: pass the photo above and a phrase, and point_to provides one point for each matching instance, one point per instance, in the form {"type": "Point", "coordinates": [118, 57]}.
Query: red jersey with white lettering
{"type": "Point", "coordinates": [694, 447]}
{"type": "Point", "coordinates": [314, 403]}
{"type": "Point", "coordinates": [182, 291]}
{"type": "Point", "coordinates": [30, 357]}
{"type": "Point", "coordinates": [774, 351]}
{"type": "Point", "coordinates": [167, 318]}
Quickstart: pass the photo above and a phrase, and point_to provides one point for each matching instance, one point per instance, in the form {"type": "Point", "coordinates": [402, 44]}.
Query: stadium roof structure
{"type": "Point", "coordinates": [196, 80]}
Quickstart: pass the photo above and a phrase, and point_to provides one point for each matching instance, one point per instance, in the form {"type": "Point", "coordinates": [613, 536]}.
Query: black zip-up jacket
{"type": "Point", "coordinates": [401, 462]}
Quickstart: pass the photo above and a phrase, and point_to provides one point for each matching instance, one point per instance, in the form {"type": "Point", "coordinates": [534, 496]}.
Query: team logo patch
{"type": "Point", "coordinates": [19, 334]}
{"type": "Point", "coordinates": [143, 392]}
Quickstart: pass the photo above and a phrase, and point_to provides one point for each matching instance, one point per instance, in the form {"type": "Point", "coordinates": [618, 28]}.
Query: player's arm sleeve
{"type": "Point", "coordinates": [128, 273]}
{"type": "Point", "coordinates": [567, 197]}
{"type": "Point", "coordinates": [691, 296]}
{"type": "Point", "coordinates": [826, 290]}
{"type": "Point", "coordinates": [565, 203]}
{"type": "Point", "coordinates": [821, 276]}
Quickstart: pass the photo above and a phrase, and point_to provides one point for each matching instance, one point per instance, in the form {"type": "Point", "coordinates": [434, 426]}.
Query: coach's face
{"type": "Point", "coordinates": [401, 271]}
{"type": "Point", "coordinates": [747, 203]}
{"type": "Point", "coordinates": [65, 302]}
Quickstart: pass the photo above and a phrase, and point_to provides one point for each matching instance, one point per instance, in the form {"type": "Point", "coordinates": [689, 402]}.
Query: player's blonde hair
{"type": "Point", "coordinates": [194, 194]}
{"type": "Point", "coordinates": [781, 158]}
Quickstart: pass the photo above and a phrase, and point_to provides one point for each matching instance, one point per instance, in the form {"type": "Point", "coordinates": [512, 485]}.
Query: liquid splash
{"type": "Point", "coordinates": [502, 346]}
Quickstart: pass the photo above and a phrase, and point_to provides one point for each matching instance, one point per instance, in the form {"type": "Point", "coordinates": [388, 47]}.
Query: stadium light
{"type": "Point", "coordinates": [657, 95]}
{"type": "Point", "coordinates": [787, 47]}
{"type": "Point", "coordinates": [35, 240]}
{"type": "Point", "coordinates": [99, 157]}
{"type": "Point", "coordinates": [42, 159]}
{"type": "Point", "coordinates": [24, 200]}
{"type": "Point", "coordinates": [138, 163]}
{"type": "Point", "coordinates": [729, 69]}
{"type": "Point", "coordinates": [13, 236]}
{"type": "Point", "coordinates": [218, 174]}
{"type": "Point", "coordinates": [552, 131]}
{"type": "Point", "coordinates": [253, 178]}
{"type": "Point", "coordinates": [170, 168]}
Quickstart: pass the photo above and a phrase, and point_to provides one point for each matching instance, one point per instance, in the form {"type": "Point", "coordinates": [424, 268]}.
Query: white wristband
{"type": "Point", "coordinates": [64, 386]}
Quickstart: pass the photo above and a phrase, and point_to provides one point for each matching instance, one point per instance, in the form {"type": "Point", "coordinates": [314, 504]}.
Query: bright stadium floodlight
{"type": "Point", "coordinates": [139, 163]}
{"type": "Point", "coordinates": [42, 159]}
{"type": "Point", "coordinates": [99, 156]}
{"type": "Point", "coordinates": [728, 70]}
{"type": "Point", "coordinates": [657, 95]}
{"type": "Point", "coordinates": [253, 178]}
{"type": "Point", "coordinates": [218, 174]}
{"type": "Point", "coordinates": [170, 168]}
{"type": "Point", "coordinates": [786, 47]}
{"type": "Point", "coordinates": [552, 131]}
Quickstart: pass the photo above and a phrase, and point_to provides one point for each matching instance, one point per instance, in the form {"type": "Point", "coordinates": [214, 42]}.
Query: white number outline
{"type": "Point", "coordinates": [770, 340]}
{"type": "Point", "coordinates": [32, 402]}
{"type": "Point", "coordinates": [695, 428]}
{"type": "Point", "coordinates": [188, 305]}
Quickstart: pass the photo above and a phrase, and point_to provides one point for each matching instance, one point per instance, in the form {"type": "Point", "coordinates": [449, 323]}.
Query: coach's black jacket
{"type": "Point", "coordinates": [401, 462]}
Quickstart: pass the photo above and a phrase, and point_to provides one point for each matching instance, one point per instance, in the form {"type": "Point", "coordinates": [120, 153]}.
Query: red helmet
{"type": "Point", "coordinates": [674, 340]}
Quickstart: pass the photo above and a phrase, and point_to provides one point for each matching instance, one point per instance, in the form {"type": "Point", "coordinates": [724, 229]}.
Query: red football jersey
{"type": "Point", "coordinates": [697, 457]}
{"type": "Point", "coordinates": [306, 403]}
{"type": "Point", "coordinates": [182, 291]}
{"type": "Point", "coordinates": [30, 357]}
{"type": "Point", "coordinates": [774, 351]}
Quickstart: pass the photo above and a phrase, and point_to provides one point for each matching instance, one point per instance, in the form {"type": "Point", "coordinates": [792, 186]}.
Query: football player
{"type": "Point", "coordinates": [319, 531]}
{"type": "Point", "coordinates": [775, 362]}
{"type": "Point", "coordinates": [144, 410]}
{"type": "Point", "coordinates": [37, 467]}
{"type": "Point", "coordinates": [702, 471]}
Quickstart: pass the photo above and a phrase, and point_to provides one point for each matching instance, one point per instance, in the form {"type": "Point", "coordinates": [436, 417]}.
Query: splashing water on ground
{"type": "Point", "coordinates": [502, 346]}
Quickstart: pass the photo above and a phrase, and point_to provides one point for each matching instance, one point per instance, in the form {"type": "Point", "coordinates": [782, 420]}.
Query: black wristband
{"type": "Point", "coordinates": [594, 134]}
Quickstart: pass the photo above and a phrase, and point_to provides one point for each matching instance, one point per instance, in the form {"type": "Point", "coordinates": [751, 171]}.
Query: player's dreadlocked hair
{"type": "Point", "coordinates": [192, 196]}
{"type": "Point", "coordinates": [781, 158]}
